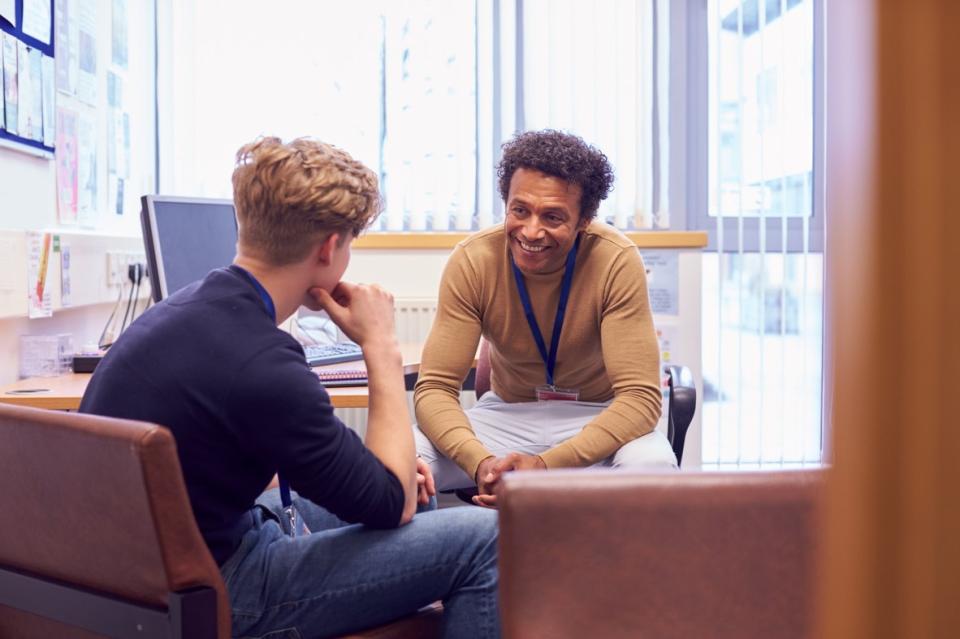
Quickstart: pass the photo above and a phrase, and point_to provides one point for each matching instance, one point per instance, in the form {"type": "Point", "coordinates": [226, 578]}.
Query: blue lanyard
{"type": "Point", "coordinates": [267, 301]}
{"type": "Point", "coordinates": [549, 359]}
{"type": "Point", "coordinates": [272, 310]}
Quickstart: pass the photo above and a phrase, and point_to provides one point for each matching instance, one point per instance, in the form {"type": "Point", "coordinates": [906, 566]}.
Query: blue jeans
{"type": "Point", "coordinates": [342, 578]}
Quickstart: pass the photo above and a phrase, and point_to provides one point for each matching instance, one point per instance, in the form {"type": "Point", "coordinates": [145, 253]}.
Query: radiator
{"type": "Point", "coordinates": [413, 319]}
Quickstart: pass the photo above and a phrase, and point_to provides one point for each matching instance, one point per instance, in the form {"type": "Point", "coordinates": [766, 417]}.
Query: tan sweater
{"type": "Point", "coordinates": [608, 348]}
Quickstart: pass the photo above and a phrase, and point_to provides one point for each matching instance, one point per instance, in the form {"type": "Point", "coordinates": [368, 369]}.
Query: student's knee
{"type": "Point", "coordinates": [651, 452]}
{"type": "Point", "coordinates": [479, 525]}
{"type": "Point", "coordinates": [472, 526]}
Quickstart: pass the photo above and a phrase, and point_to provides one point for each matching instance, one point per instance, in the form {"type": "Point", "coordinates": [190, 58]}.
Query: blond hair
{"type": "Point", "coordinates": [288, 196]}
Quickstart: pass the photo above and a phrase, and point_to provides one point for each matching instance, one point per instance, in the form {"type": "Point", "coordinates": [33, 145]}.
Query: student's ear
{"type": "Point", "coordinates": [326, 248]}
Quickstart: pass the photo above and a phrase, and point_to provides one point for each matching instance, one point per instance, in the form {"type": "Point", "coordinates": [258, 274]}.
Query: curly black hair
{"type": "Point", "coordinates": [561, 155]}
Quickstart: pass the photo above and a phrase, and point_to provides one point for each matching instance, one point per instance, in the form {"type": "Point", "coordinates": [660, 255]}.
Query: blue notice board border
{"type": "Point", "coordinates": [33, 43]}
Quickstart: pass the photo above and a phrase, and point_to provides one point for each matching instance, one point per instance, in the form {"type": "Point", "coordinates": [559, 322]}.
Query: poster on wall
{"type": "Point", "coordinates": [66, 44]}
{"type": "Point", "coordinates": [39, 248]}
{"type": "Point", "coordinates": [118, 144]}
{"type": "Point", "coordinates": [49, 104]}
{"type": "Point", "coordinates": [663, 280]}
{"type": "Point", "coordinates": [3, 107]}
{"type": "Point", "coordinates": [66, 294]}
{"type": "Point", "coordinates": [8, 11]}
{"type": "Point", "coordinates": [31, 93]}
{"type": "Point", "coordinates": [118, 44]}
{"type": "Point", "coordinates": [67, 176]}
{"type": "Point", "coordinates": [86, 50]}
{"type": "Point", "coordinates": [28, 113]}
{"type": "Point", "coordinates": [11, 90]}
{"type": "Point", "coordinates": [36, 19]}
{"type": "Point", "coordinates": [87, 192]}
{"type": "Point", "coordinates": [667, 336]}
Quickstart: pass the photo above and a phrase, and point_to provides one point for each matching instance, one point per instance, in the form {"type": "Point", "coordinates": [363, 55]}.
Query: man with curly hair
{"type": "Point", "coordinates": [210, 364]}
{"type": "Point", "coordinates": [562, 301]}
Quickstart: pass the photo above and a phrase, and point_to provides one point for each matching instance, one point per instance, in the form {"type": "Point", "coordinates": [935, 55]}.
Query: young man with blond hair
{"type": "Point", "coordinates": [345, 551]}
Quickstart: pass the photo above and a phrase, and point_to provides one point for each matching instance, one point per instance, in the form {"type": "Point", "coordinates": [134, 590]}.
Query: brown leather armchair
{"type": "Point", "coordinates": [601, 553]}
{"type": "Point", "coordinates": [99, 537]}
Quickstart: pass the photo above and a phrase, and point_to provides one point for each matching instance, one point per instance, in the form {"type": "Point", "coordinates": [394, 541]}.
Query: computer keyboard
{"type": "Point", "coordinates": [332, 353]}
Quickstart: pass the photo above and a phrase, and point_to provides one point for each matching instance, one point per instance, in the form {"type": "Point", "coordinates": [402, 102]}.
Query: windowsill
{"type": "Point", "coordinates": [425, 240]}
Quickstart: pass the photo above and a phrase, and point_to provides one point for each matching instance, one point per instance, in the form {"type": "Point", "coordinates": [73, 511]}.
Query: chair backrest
{"type": "Point", "coordinates": [617, 553]}
{"type": "Point", "coordinates": [681, 406]}
{"type": "Point", "coordinates": [99, 505]}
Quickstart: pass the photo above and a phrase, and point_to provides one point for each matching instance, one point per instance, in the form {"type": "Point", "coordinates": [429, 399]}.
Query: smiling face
{"type": "Point", "coordinates": [542, 220]}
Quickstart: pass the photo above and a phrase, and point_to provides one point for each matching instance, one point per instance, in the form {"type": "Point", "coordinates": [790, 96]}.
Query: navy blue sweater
{"type": "Point", "coordinates": [210, 364]}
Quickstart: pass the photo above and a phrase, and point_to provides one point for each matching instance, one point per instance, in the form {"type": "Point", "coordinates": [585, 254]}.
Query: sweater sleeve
{"type": "Point", "coordinates": [631, 357]}
{"type": "Point", "coordinates": [322, 459]}
{"type": "Point", "coordinates": [447, 358]}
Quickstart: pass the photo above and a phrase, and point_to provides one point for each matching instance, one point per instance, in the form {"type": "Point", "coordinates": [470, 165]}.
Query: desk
{"type": "Point", "coordinates": [65, 391]}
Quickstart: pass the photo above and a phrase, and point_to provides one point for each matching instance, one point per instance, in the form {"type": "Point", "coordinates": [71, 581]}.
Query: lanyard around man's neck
{"type": "Point", "coordinates": [549, 358]}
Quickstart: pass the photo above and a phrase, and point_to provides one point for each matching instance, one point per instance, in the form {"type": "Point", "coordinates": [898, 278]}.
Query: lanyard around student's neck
{"type": "Point", "coordinates": [267, 300]}
{"type": "Point", "coordinates": [549, 358]}
{"type": "Point", "coordinates": [272, 310]}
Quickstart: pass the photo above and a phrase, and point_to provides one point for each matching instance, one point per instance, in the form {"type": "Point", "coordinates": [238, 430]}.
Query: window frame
{"type": "Point", "coordinates": [689, 32]}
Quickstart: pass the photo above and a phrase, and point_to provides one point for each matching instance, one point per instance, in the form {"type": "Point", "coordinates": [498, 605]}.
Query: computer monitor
{"type": "Point", "coordinates": [185, 238]}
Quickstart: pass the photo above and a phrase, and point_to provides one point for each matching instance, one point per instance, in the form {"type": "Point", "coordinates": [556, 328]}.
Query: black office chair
{"type": "Point", "coordinates": [681, 405]}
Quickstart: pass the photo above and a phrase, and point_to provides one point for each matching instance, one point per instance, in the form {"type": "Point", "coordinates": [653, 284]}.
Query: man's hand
{"type": "Point", "coordinates": [519, 461]}
{"type": "Point", "coordinates": [425, 486]}
{"type": "Point", "coordinates": [364, 312]}
{"type": "Point", "coordinates": [486, 482]}
{"type": "Point", "coordinates": [491, 470]}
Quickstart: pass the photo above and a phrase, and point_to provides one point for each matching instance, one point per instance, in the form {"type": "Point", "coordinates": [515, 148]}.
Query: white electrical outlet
{"type": "Point", "coordinates": [118, 263]}
{"type": "Point", "coordinates": [113, 268]}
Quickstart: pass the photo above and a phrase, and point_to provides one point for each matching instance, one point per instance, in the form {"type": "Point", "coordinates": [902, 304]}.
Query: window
{"type": "Point", "coordinates": [346, 73]}
{"type": "Point", "coordinates": [424, 92]}
{"type": "Point", "coordinates": [763, 279]}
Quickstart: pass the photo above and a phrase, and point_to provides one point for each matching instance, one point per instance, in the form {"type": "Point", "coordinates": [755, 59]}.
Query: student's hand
{"type": "Point", "coordinates": [425, 485]}
{"type": "Point", "coordinates": [492, 469]}
{"type": "Point", "coordinates": [364, 312]}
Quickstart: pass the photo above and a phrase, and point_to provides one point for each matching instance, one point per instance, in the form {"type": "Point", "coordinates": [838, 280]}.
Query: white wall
{"type": "Point", "coordinates": [28, 201]}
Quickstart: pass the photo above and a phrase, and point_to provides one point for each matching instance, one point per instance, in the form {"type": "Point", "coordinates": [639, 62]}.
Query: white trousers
{"type": "Point", "coordinates": [533, 428]}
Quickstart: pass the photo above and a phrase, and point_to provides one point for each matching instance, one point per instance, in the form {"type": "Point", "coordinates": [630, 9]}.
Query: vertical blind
{"type": "Point", "coordinates": [763, 293]}
{"type": "Point", "coordinates": [601, 68]}
{"type": "Point", "coordinates": [424, 92]}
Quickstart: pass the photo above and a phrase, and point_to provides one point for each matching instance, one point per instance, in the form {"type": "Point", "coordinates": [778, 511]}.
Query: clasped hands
{"type": "Point", "coordinates": [491, 470]}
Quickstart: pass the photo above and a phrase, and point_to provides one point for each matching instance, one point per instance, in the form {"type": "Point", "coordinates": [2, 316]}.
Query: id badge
{"type": "Point", "coordinates": [293, 523]}
{"type": "Point", "coordinates": [553, 393]}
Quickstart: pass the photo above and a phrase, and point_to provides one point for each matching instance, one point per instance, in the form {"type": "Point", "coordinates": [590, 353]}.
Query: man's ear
{"type": "Point", "coordinates": [583, 222]}
{"type": "Point", "coordinates": [326, 247]}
